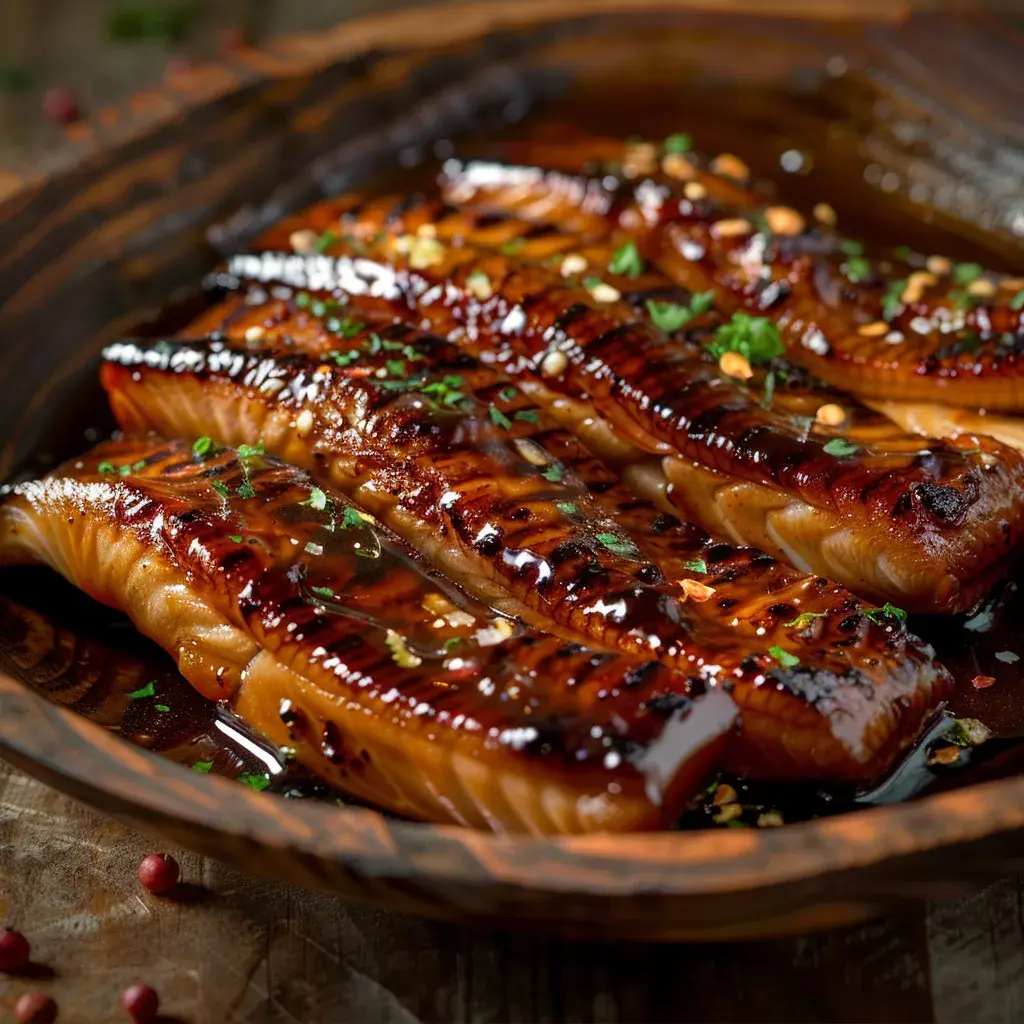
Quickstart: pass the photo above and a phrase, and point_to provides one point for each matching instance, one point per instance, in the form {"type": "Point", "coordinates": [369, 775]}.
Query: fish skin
{"type": "Point", "coordinates": [929, 529]}
{"type": "Point", "coordinates": [861, 690]}
{"type": "Point", "coordinates": [518, 731]}
{"type": "Point", "coordinates": [967, 349]}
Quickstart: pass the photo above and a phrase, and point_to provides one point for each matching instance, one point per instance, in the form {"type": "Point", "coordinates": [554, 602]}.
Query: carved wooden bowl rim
{"type": "Point", "coordinates": [97, 766]}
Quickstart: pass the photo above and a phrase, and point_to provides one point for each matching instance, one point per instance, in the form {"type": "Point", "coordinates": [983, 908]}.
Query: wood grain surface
{"type": "Point", "coordinates": [239, 949]}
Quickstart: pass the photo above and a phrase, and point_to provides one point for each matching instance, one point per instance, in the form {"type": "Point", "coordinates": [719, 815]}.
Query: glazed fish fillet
{"type": "Point", "coordinates": [926, 526]}
{"type": "Point", "coordinates": [901, 328]}
{"type": "Point", "coordinates": [827, 687]}
{"type": "Point", "coordinates": [327, 635]}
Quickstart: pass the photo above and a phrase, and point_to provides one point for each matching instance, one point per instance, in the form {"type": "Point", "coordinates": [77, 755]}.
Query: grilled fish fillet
{"type": "Point", "coordinates": [925, 526]}
{"type": "Point", "coordinates": [326, 634]}
{"type": "Point", "coordinates": [361, 410]}
{"type": "Point", "coordinates": [902, 328]}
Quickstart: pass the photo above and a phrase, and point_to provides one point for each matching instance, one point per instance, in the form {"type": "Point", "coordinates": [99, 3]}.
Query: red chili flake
{"type": "Point", "coordinates": [140, 1002]}
{"type": "Point", "coordinates": [982, 682]}
{"type": "Point", "coordinates": [14, 950]}
{"type": "Point", "coordinates": [60, 105]}
{"type": "Point", "coordinates": [159, 872]}
{"type": "Point", "coordinates": [35, 1008]}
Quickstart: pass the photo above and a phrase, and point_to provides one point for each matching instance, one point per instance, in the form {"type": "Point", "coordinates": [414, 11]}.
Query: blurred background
{"type": "Point", "coordinates": [61, 59]}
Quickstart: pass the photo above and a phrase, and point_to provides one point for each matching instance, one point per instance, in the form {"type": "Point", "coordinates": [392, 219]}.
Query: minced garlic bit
{"type": "Point", "coordinates": [304, 423]}
{"type": "Point", "coordinates": [725, 794]}
{"type": "Point", "coordinates": [478, 284]}
{"type": "Point", "coordinates": [640, 158]}
{"type": "Point", "coordinates": [366, 517]}
{"type": "Point", "coordinates": [824, 214]}
{"type": "Point", "coordinates": [939, 265]}
{"type": "Point", "coordinates": [727, 813]}
{"type": "Point", "coordinates": [945, 755]}
{"type": "Point", "coordinates": [604, 292]}
{"type": "Point", "coordinates": [255, 333]}
{"type": "Point", "coordinates": [734, 365]}
{"type": "Point", "coordinates": [400, 652]}
{"type": "Point", "coordinates": [675, 165]}
{"type": "Point", "coordinates": [730, 165]}
{"type": "Point", "coordinates": [697, 591]}
{"type": "Point", "coordinates": [784, 220]}
{"type": "Point", "coordinates": [770, 819]}
{"type": "Point", "coordinates": [427, 231]}
{"type": "Point", "coordinates": [731, 227]}
{"type": "Point", "coordinates": [830, 414]}
{"type": "Point", "coordinates": [573, 264]}
{"type": "Point", "coordinates": [303, 241]}
{"type": "Point", "coordinates": [553, 364]}
{"type": "Point", "coordinates": [694, 190]}
{"type": "Point", "coordinates": [916, 285]}
{"type": "Point", "coordinates": [437, 604]}
{"type": "Point", "coordinates": [422, 252]}
{"type": "Point", "coordinates": [982, 288]}
{"type": "Point", "coordinates": [499, 630]}
{"type": "Point", "coordinates": [531, 452]}
{"type": "Point", "coordinates": [873, 330]}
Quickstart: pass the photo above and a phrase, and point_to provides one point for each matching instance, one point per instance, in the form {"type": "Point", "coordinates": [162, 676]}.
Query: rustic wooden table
{"type": "Point", "coordinates": [244, 949]}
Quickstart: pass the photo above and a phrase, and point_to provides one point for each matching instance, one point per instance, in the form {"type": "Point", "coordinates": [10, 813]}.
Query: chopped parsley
{"type": "Point", "coordinates": [203, 446]}
{"type": "Point", "coordinates": [554, 472]}
{"type": "Point", "coordinates": [857, 269]}
{"type": "Point", "coordinates": [1017, 302]}
{"type": "Point", "coordinates": [567, 508]}
{"type": "Point", "coordinates": [626, 260]}
{"type": "Point", "coordinates": [892, 303]}
{"type": "Point", "coordinates": [507, 394]}
{"type": "Point", "coordinates": [303, 299]}
{"type": "Point", "coordinates": [246, 490]}
{"type": "Point", "coordinates": [962, 299]}
{"type": "Point", "coordinates": [888, 611]}
{"type": "Point", "coordinates": [323, 592]}
{"type": "Point", "coordinates": [804, 619]}
{"type": "Point", "coordinates": [965, 273]}
{"type": "Point", "coordinates": [203, 767]}
{"type": "Point", "coordinates": [840, 447]}
{"type": "Point", "coordinates": [678, 142]}
{"type": "Point", "coordinates": [526, 415]}
{"type": "Point", "coordinates": [345, 326]}
{"type": "Point", "coordinates": [221, 488]}
{"type": "Point", "coordinates": [498, 418]}
{"type": "Point", "coordinates": [255, 781]}
{"type": "Point", "coordinates": [696, 565]}
{"type": "Point", "coordinates": [451, 643]}
{"type": "Point", "coordinates": [149, 690]}
{"type": "Point", "coordinates": [902, 252]}
{"type": "Point", "coordinates": [162, 707]}
{"type": "Point", "coordinates": [235, 537]}
{"type": "Point", "coordinates": [783, 657]}
{"type": "Point", "coordinates": [617, 544]}
{"type": "Point", "coordinates": [326, 240]}
{"type": "Point", "coordinates": [850, 247]}
{"type": "Point", "coordinates": [351, 519]}
{"type": "Point", "coordinates": [755, 338]}
{"type": "Point", "coordinates": [251, 451]}
{"type": "Point", "coordinates": [312, 548]}
{"type": "Point", "coordinates": [671, 316]}
{"type": "Point", "coordinates": [108, 467]}
{"type": "Point", "coordinates": [342, 358]}
{"type": "Point", "coordinates": [317, 500]}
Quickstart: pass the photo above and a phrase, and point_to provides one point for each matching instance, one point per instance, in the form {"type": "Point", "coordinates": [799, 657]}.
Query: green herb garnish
{"type": "Point", "coordinates": [351, 519]}
{"type": "Point", "coordinates": [326, 240]}
{"type": "Point", "coordinates": [149, 690]}
{"type": "Point", "coordinates": [323, 592]}
{"type": "Point", "coordinates": [221, 488]}
{"type": "Point", "coordinates": [678, 142]}
{"type": "Point", "coordinates": [755, 338]}
{"type": "Point", "coordinates": [451, 643]}
{"type": "Point", "coordinates": [965, 273]}
{"type": "Point", "coordinates": [345, 326]}
{"type": "Point", "coordinates": [202, 446]}
{"type": "Point", "coordinates": [892, 303]}
{"type": "Point", "coordinates": [507, 394]}
{"type": "Point", "coordinates": [840, 447]}
{"type": "Point", "coordinates": [162, 707]}
{"type": "Point", "coordinates": [255, 781]}
{"type": "Point", "coordinates": [498, 418]}
{"type": "Point", "coordinates": [129, 23]}
{"type": "Point", "coordinates": [317, 499]}
{"type": "Point", "coordinates": [567, 508]}
{"type": "Point", "coordinates": [246, 490]}
{"type": "Point", "coordinates": [626, 260]}
{"type": "Point", "coordinates": [804, 619]}
{"type": "Point", "coordinates": [850, 247]}
{"type": "Point", "coordinates": [526, 415]}
{"type": "Point", "coordinates": [696, 565]}
{"type": "Point", "coordinates": [251, 451]}
{"type": "Point", "coordinates": [1017, 302]}
{"type": "Point", "coordinates": [857, 269]}
{"type": "Point", "coordinates": [783, 657]}
{"type": "Point", "coordinates": [553, 472]}
{"type": "Point", "coordinates": [617, 545]}
{"type": "Point", "coordinates": [902, 252]}
{"type": "Point", "coordinates": [105, 467]}
{"type": "Point", "coordinates": [237, 538]}
{"type": "Point", "coordinates": [511, 247]}
{"type": "Point", "coordinates": [203, 767]}
{"type": "Point", "coordinates": [888, 611]}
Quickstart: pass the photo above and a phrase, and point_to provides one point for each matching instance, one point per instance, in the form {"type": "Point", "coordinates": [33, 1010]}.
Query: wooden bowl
{"type": "Point", "coordinates": [96, 236]}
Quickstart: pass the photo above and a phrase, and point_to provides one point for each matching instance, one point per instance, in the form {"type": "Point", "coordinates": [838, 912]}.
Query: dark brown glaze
{"type": "Point", "coordinates": [942, 518]}
{"type": "Point", "coordinates": [320, 629]}
{"type": "Point", "coordinates": [864, 688]}
{"type": "Point", "coordinates": [882, 328]}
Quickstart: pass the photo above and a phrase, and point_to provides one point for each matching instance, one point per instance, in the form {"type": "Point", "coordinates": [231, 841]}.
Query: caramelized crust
{"type": "Point", "coordinates": [325, 633]}
{"type": "Point", "coordinates": [359, 411]}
